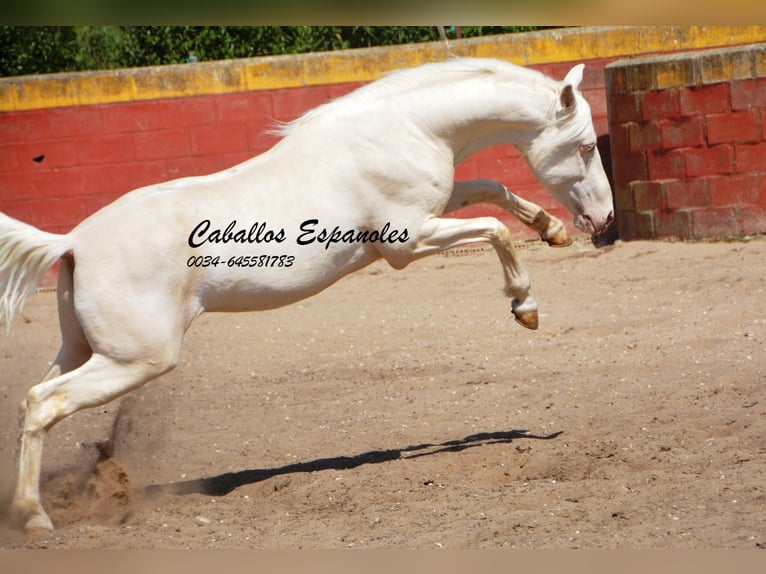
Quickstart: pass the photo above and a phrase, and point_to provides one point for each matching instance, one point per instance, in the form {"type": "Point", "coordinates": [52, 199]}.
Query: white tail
{"type": "Point", "coordinates": [25, 254]}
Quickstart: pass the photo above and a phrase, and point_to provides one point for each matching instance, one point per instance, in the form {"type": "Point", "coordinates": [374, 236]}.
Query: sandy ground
{"type": "Point", "coordinates": [406, 409]}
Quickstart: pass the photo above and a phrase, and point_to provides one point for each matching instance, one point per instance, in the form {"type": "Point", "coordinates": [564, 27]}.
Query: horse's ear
{"type": "Point", "coordinates": [568, 100]}
{"type": "Point", "coordinates": [574, 77]}
{"type": "Point", "coordinates": [571, 82]}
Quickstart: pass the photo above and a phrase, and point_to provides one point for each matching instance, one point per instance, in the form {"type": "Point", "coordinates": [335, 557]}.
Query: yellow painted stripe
{"type": "Point", "coordinates": [204, 78]}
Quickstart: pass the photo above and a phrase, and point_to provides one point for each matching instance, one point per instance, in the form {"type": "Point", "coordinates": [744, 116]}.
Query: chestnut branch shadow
{"type": "Point", "coordinates": [223, 484]}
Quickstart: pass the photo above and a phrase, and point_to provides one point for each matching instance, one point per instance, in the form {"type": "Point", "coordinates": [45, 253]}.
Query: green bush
{"type": "Point", "coordinates": [49, 49]}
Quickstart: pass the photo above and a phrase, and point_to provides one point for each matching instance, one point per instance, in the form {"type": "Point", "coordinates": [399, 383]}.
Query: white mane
{"type": "Point", "coordinates": [427, 76]}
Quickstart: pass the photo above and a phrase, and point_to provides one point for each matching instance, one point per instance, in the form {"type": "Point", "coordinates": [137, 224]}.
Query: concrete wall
{"type": "Point", "coordinates": [688, 138]}
{"type": "Point", "coordinates": [71, 143]}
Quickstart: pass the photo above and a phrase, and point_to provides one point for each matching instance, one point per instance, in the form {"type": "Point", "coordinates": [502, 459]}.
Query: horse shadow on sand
{"type": "Point", "coordinates": [223, 484]}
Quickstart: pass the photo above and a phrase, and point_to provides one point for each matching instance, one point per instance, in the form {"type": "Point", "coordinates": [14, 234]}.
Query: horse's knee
{"type": "Point", "coordinates": [160, 362]}
{"type": "Point", "coordinates": [34, 415]}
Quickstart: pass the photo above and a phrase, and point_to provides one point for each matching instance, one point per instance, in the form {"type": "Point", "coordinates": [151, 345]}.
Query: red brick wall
{"type": "Point", "coordinates": [89, 155]}
{"type": "Point", "coordinates": [688, 135]}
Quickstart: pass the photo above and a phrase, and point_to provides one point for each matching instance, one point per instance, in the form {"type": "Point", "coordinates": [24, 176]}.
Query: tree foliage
{"type": "Point", "coordinates": [49, 49]}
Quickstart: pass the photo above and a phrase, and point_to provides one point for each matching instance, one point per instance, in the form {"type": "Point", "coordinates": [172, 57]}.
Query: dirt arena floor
{"type": "Point", "coordinates": [406, 409]}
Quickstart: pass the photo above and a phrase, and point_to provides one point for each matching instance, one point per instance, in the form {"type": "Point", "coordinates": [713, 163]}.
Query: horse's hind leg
{"type": "Point", "coordinates": [75, 348]}
{"type": "Point", "coordinates": [436, 235]}
{"type": "Point", "coordinates": [98, 381]}
{"type": "Point", "coordinates": [550, 228]}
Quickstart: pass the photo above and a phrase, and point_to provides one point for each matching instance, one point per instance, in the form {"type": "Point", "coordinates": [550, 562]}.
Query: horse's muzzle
{"type": "Point", "coordinates": [592, 224]}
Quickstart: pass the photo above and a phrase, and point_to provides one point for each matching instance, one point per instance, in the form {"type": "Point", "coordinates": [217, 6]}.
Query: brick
{"type": "Point", "coordinates": [753, 220]}
{"type": "Point", "coordinates": [596, 99]}
{"type": "Point", "coordinates": [630, 167]}
{"type": "Point", "coordinates": [657, 105]}
{"type": "Point", "coordinates": [185, 112]}
{"type": "Point", "coordinates": [682, 133]}
{"type": "Point", "coordinates": [648, 195]}
{"type": "Point", "coordinates": [162, 144]}
{"type": "Point", "coordinates": [762, 188]}
{"type": "Point", "coordinates": [742, 126]}
{"type": "Point", "coordinates": [16, 186]}
{"type": "Point", "coordinates": [95, 179]}
{"type": "Point", "coordinates": [734, 190]}
{"type": "Point", "coordinates": [59, 183]}
{"type": "Point", "coordinates": [37, 184]}
{"type": "Point", "coordinates": [47, 154]}
{"type": "Point", "coordinates": [673, 224]}
{"type": "Point", "coordinates": [556, 70]}
{"type": "Point", "coordinates": [130, 176]}
{"type": "Point", "coordinates": [624, 108]}
{"type": "Point", "coordinates": [664, 164]}
{"type": "Point", "coordinates": [131, 117]}
{"type": "Point", "coordinates": [601, 126]}
{"type": "Point", "coordinates": [74, 121]}
{"type": "Point", "coordinates": [493, 154]}
{"type": "Point", "coordinates": [219, 139]}
{"type": "Point", "coordinates": [750, 157]}
{"type": "Point", "coordinates": [709, 160]}
{"type": "Point", "coordinates": [466, 171]}
{"type": "Point", "coordinates": [9, 157]}
{"type": "Point", "coordinates": [63, 212]}
{"type": "Point", "coordinates": [18, 210]}
{"type": "Point", "coordinates": [95, 202]}
{"type": "Point", "coordinates": [715, 222]}
{"type": "Point", "coordinates": [645, 136]}
{"type": "Point", "coordinates": [619, 139]}
{"type": "Point", "coordinates": [291, 103]}
{"type": "Point", "coordinates": [701, 100]}
{"type": "Point", "coordinates": [634, 226]}
{"type": "Point", "coordinates": [511, 170]}
{"type": "Point", "coordinates": [245, 106]}
{"type": "Point", "coordinates": [104, 149]}
{"type": "Point", "coordinates": [687, 193]}
{"type": "Point", "coordinates": [746, 94]}
{"type": "Point", "coordinates": [23, 126]}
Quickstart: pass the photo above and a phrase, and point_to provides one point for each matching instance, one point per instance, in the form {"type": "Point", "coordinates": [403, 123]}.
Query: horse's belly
{"type": "Point", "coordinates": [273, 280]}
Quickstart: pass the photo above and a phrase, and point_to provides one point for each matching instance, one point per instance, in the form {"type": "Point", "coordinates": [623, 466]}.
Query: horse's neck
{"type": "Point", "coordinates": [482, 115]}
{"type": "Point", "coordinates": [465, 112]}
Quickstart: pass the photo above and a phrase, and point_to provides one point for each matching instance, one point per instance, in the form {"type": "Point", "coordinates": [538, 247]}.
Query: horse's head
{"type": "Point", "coordinates": [565, 158]}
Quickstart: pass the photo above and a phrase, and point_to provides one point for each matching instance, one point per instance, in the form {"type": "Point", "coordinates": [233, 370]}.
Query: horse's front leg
{"type": "Point", "coordinates": [437, 235]}
{"type": "Point", "coordinates": [550, 228]}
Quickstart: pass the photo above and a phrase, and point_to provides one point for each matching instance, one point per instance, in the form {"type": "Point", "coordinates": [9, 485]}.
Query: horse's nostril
{"type": "Point", "coordinates": [609, 218]}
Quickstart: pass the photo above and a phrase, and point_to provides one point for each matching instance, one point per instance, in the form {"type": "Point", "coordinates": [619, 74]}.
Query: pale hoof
{"type": "Point", "coordinates": [560, 239]}
{"type": "Point", "coordinates": [527, 319]}
{"type": "Point", "coordinates": [543, 222]}
{"type": "Point", "coordinates": [38, 525]}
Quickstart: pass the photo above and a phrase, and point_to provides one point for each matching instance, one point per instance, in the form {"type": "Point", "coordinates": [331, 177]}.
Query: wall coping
{"type": "Point", "coordinates": [686, 69]}
{"type": "Point", "coordinates": [359, 65]}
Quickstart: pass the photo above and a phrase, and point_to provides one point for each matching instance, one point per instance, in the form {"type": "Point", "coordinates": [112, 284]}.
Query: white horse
{"type": "Point", "coordinates": [362, 177]}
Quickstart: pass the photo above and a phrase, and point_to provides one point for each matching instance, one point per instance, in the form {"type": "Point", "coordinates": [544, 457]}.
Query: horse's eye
{"type": "Point", "coordinates": [587, 148]}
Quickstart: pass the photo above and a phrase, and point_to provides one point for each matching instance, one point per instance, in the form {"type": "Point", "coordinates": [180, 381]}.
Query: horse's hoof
{"type": "Point", "coordinates": [38, 525]}
{"type": "Point", "coordinates": [527, 319]}
{"type": "Point", "coordinates": [560, 239]}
